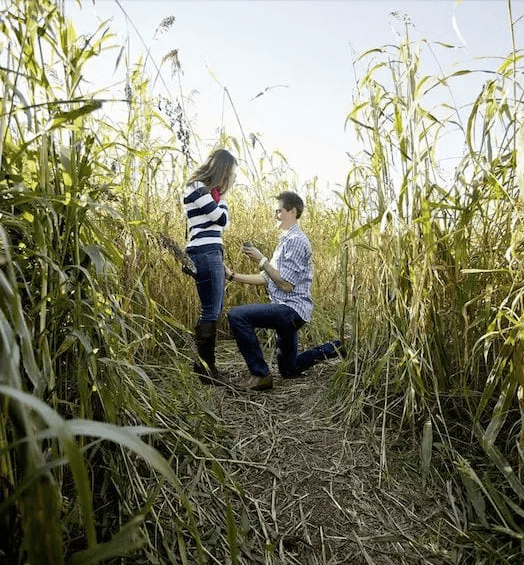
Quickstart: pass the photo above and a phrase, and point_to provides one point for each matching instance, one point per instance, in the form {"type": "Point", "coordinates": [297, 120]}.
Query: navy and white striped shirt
{"type": "Point", "coordinates": [206, 219]}
{"type": "Point", "coordinates": [294, 264]}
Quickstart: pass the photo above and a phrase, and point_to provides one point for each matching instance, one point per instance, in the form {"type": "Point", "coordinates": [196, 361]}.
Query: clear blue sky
{"type": "Point", "coordinates": [305, 45]}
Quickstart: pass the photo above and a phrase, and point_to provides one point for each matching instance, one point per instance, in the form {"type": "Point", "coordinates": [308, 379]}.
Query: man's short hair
{"type": "Point", "coordinates": [291, 200]}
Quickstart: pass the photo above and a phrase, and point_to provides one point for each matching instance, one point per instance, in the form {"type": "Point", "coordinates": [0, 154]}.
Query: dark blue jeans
{"type": "Point", "coordinates": [243, 321]}
{"type": "Point", "coordinates": [210, 281]}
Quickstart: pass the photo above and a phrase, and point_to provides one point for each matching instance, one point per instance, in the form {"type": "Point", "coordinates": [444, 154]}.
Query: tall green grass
{"type": "Point", "coordinates": [108, 443]}
{"type": "Point", "coordinates": [438, 263]}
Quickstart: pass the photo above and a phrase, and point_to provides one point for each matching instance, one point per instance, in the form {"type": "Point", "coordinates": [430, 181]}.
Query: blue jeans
{"type": "Point", "coordinates": [210, 281]}
{"type": "Point", "coordinates": [244, 319]}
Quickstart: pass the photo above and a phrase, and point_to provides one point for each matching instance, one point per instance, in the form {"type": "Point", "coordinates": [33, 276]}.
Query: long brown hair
{"type": "Point", "coordinates": [216, 171]}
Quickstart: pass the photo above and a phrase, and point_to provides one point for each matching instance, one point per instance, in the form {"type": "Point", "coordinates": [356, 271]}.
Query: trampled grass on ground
{"type": "Point", "coordinates": [323, 492]}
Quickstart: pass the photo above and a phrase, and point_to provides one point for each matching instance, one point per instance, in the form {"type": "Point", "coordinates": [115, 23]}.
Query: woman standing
{"type": "Point", "coordinates": [207, 216]}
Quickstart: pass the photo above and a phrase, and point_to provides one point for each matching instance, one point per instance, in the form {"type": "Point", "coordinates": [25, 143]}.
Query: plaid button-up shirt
{"type": "Point", "coordinates": [292, 259]}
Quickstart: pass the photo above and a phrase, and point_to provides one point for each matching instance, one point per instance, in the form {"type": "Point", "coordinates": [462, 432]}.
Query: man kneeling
{"type": "Point", "coordinates": [288, 277]}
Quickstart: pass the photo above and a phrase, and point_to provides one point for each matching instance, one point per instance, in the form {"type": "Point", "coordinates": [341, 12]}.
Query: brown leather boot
{"type": "Point", "coordinates": [206, 344]}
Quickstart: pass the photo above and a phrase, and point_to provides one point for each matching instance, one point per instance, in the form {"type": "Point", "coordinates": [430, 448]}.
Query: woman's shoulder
{"type": "Point", "coordinates": [197, 185]}
{"type": "Point", "coordinates": [196, 190]}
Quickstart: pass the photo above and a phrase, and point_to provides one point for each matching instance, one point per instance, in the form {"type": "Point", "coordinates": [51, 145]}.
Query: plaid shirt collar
{"type": "Point", "coordinates": [289, 230]}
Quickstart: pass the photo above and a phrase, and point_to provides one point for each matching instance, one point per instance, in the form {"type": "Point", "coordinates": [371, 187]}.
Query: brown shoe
{"type": "Point", "coordinates": [258, 383]}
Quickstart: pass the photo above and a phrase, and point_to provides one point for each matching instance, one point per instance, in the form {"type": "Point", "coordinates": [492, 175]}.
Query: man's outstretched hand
{"type": "Point", "coordinates": [252, 252]}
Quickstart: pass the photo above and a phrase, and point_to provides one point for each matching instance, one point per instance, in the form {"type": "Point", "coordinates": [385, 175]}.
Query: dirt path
{"type": "Point", "coordinates": [322, 491]}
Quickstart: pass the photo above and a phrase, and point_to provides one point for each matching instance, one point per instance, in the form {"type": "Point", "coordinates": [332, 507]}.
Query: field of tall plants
{"type": "Point", "coordinates": [110, 450]}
